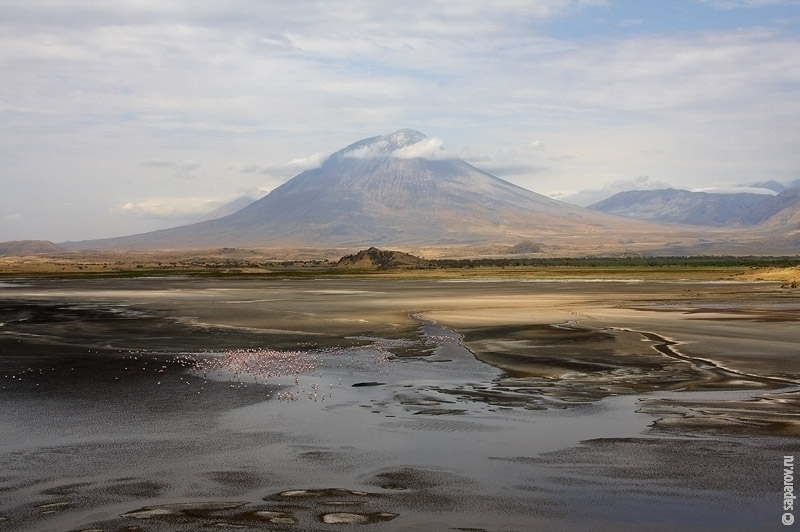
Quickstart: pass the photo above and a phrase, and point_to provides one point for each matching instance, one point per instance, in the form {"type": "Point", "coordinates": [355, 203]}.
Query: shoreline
{"type": "Point", "coordinates": [259, 263]}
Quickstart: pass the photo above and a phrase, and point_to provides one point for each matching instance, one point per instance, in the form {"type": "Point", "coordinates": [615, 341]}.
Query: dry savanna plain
{"type": "Point", "coordinates": [225, 390]}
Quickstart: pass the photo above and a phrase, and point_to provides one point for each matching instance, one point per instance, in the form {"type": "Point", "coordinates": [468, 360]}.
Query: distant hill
{"type": "Point", "coordinates": [684, 207]}
{"type": "Point", "coordinates": [771, 185]}
{"type": "Point", "coordinates": [779, 213]}
{"type": "Point", "coordinates": [28, 247]}
{"type": "Point", "coordinates": [376, 259]}
{"type": "Point", "coordinates": [778, 187]}
{"type": "Point", "coordinates": [395, 189]}
{"type": "Point", "coordinates": [525, 247]}
{"type": "Point", "coordinates": [229, 208]}
{"type": "Point", "coordinates": [776, 211]}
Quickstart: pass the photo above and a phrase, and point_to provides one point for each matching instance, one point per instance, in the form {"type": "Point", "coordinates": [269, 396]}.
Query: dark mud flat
{"type": "Point", "coordinates": [182, 404]}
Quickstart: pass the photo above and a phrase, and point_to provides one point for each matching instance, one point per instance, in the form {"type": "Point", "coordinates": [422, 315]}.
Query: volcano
{"type": "Point", "coordinates": [398, 189]}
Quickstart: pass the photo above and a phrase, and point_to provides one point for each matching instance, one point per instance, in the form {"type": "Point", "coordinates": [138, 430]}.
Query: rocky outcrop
{"type": "Point", "coordinates": [377, 259]}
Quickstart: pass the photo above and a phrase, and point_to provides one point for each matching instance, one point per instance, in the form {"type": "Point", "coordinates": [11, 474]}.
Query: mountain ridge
{"type": "Point", "coordinates": [395, 189]}
{"type": "Point", "coordinates": [706, 209]}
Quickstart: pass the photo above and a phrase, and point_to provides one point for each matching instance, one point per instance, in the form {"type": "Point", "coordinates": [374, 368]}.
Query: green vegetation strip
{"type": "Point", "coordinates": [696, 267]}
{"type": "Point", "coordinates": [753, 261]}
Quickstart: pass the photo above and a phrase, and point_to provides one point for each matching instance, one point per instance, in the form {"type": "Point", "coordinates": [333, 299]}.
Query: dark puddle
{"type": "Point", "coordinates": [336, 506]}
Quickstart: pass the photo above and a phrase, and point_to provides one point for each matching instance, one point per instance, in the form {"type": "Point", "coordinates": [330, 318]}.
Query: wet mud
{"type": "Point", "coordinates": [178, 404]}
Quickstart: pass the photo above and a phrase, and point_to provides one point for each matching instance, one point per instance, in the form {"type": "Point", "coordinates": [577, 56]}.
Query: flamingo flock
{"type": "Point", "coordinates": [242, 367]}
{"type": "Point", "coordinates": [265, 366]}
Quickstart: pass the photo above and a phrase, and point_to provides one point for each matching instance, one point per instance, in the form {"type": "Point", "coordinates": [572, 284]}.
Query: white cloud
{"type": "Point", "coordinates": [14, 217]}
{"type": "Point", "coordinates": [158, 164]}
{"type": "Point", "coordinates": [180, 169]}
{"type": "Point", "coordinates": [369, 151]}
{"type": "Point", "coordinates": [524, 160]}
{"type": "Point", "coordinates": [178, 208]}
{"type": "Point", "coordinates": [734, 4]}
{"type": "Point", "coordinates": [288, 169]}
{"type": "Point", "coordinates": [307, 163]}
{"type": "Point", "coordinates": [735, 190]}
{"type": "Point", "coordinates": [429, 148]}
{"type": "Point", "coordinates": [250, 168]}
{"type": "Point", "coordinates": [707, 72]}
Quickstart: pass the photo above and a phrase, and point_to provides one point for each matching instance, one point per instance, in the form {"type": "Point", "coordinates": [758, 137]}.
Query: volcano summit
{"type": "Point", "coordinates": [396, 189]}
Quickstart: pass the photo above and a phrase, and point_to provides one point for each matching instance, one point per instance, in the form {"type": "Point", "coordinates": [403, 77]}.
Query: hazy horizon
{"type": "Point", "coordinates": [127, 118]}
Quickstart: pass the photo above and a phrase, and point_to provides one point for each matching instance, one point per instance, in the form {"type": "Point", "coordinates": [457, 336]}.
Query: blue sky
{"type": "Point", "coordinates": [632, 17]}
{"type": "Point", "coordinates": [123, 117]}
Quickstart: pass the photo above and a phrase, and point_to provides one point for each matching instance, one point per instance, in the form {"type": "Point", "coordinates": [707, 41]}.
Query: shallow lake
{"type": "Point", "coordinates": [124, 404]}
